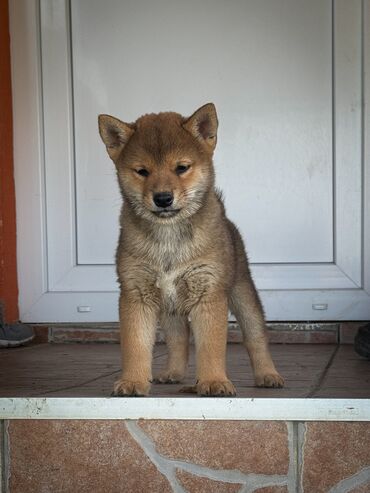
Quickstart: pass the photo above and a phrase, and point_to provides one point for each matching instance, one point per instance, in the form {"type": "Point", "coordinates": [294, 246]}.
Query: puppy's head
{"type": "Point", "coordinates": [163, 161]}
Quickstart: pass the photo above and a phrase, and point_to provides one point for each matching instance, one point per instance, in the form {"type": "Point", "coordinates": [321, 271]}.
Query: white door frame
{"type": "Point", "coordinates": [53, 288]}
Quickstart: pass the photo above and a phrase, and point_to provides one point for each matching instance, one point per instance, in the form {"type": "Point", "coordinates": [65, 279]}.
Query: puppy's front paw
{"type": "Point", "coordinates": [270, 380]}
{"type": "Point", "coordinates": [126, 388]}
{"type": "Point", "coordinates": [168, 377]}
{"type": "Point", "coordinates": [215, 388]}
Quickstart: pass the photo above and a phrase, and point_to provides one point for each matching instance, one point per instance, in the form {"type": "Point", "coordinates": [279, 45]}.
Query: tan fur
{"type": "Point", "coordinates": [185, 263]}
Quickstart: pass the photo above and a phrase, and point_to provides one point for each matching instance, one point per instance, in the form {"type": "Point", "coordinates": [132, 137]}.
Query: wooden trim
{"type": "Point", "coordinates": [8, 253]}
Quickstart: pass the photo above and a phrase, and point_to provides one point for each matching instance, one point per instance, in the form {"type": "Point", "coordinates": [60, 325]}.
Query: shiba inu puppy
{"type": "Point", "coordinates": [180, 261]}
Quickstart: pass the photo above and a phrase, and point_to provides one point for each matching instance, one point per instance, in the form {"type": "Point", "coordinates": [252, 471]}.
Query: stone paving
{"type": "Point", "coordinates": [187, 456]}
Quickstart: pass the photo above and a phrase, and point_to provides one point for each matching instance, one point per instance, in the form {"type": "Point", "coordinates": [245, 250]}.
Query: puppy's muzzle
{"type": "Point", "coordinates": [163, 199]}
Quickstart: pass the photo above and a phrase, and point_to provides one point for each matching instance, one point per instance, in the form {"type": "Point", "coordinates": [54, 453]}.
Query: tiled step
{"type": "Point", "coordinates": [60, 432]}
{"type": "Point", "coordinates": [89, 370]}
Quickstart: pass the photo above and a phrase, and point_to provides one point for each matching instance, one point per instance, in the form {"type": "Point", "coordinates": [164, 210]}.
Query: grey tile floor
{"type": "Point", "coordinates": [89, 370]}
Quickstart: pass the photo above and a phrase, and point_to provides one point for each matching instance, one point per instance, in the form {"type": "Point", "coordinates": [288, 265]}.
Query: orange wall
{"type": "Point", "coordinates": [8, 263]}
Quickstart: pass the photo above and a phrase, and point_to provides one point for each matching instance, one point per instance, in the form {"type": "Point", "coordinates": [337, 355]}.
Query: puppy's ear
{"type": "Point", "coordinates": [115, 134]}
{"type": "Point", "coordinates": [203, 125]}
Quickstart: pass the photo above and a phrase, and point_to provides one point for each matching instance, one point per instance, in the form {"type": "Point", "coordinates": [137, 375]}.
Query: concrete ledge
{"type": "Point", "coordinates": [192, 408]}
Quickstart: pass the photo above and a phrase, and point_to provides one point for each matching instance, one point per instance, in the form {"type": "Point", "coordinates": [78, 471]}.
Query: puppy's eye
{"type": "Point", "coordinates": [142, 172]}
{"type": "Point", "coordinates": [182, 168]}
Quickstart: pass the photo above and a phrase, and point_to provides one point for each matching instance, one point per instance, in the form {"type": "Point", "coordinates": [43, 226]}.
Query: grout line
{"type": "Point", "coordinates": [87, 381]}
{"type": "Point", "coordinates": [316, 386]}
{"type": "Point", "coordinates": [293, 456]}
{"type": "Point", "coordinates": [360, 478]}
{"type": "Point", "coordinates": [301, 440]}
{"type": "Point", "coordinates": [77, 385]}
{"type": "Point", "coordinates": [4, 457]}
{"type": "Point", "coordinates": [18, 349]}
{"type": "Point", "coordinates": [168, 466]}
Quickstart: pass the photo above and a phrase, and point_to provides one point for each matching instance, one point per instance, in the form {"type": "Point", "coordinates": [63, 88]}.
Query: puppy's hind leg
{"type": "Point", "coordinates": [177, 338]}
{"type": "Point", "coordinates": [247, 308]}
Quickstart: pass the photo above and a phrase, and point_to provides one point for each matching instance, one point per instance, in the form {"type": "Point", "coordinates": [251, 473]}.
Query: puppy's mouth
{"type": "Point", "coordinates": [166, 212]}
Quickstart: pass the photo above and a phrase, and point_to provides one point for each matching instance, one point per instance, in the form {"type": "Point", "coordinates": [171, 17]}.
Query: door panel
{"type": "Point", "coordinates": [287, 79]}
{"type": "Point", "coordinates": [270, 75]}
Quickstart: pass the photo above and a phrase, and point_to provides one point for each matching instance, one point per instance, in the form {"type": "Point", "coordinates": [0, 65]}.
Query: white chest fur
{"type": "Point", "coordinates": [166, 284]}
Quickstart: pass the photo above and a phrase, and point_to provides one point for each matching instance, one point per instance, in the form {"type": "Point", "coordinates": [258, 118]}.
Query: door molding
{"type": "Point", "coordinates": [52, 284]}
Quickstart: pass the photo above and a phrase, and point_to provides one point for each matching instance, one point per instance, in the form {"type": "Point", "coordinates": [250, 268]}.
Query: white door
{"type": "Point", "coordinates": [287, 79]}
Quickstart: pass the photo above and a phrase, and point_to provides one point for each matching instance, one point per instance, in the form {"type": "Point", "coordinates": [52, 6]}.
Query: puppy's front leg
{"type": "Point", "coordinates": [209, 324]}
{"type": "Point", "coordinates": [137, 326]}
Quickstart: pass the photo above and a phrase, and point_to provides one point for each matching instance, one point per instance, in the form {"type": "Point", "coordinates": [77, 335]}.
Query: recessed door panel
{"type": "Point", "coordinates": [268, 68]}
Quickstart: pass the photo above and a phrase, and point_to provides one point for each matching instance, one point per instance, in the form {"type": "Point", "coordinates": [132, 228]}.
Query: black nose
{"type": "Point", "coordinates": [163, 199]}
